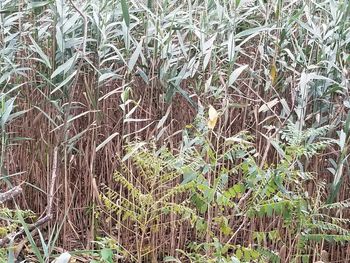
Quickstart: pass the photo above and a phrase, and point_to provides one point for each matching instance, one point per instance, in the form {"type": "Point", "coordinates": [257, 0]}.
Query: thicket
{"type": "Point", "coordinates": [174, 131]}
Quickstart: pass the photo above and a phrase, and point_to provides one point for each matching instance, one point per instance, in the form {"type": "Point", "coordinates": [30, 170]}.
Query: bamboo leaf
{"type": "Point", "coordinates": [106, 76]}
{"type": "Point", "coordinates": [231, 48]}
{"type": "Point", "coordinates": [235, 74]}
{"type": "Point", "coordinates": [135, 56]}
{"type": "Point", "coordinates": [8, 105]}
{"type": "Point", "coordinates": [251, 31]}
{"type": "Point", "coordinates": [269, 105]}
{"type": "Point", "coordinates": [164, 118]}
{"type": "Point", "coordinates": [133, 150]}
{"type": "Point", "coordinates": [69, 78]}
{"type": "Point", "coordinates": [65, 66]}
{"type": "Point", "coordinates": [101, 145]}
{"type": "Point", "coordinates": [40, 52]}
{"type": "Point", "coordinates": [125, 10]}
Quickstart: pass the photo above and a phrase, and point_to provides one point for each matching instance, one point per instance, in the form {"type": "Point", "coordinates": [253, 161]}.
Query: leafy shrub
{"type": "Point", "coordinates": [217, 181]}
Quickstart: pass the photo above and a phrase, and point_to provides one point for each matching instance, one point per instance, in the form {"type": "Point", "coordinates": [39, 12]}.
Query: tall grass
{"type": "Point", "coordinates": [88, 77]}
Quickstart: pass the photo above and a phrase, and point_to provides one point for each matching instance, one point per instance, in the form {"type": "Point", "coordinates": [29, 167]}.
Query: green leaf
{"type": "Point", "coordinates": [107, 254]}
{"type": "Point", "coordinates": [59, 39]}
{"type": "Point", "coordinates": [106, 76]}
{"type": "Point", "coordinates": [239, 254]}
{"type": "Point", "coordinates": [60, 7]}
{"type": "Point", "coordinates": [235, 74]}
{"type": "Point", "coordinates": [305, 258]}
{"type": "Point", "coordinates": [199, 203]}
{"type": "Point", "coordinates": [269, 209]}
{"type": "Point", "coordinates": [33, 5]}
{"type": "Point", "coordinates": [231, 48]}
{"type": "Point", "coordinates": [231, 192]}
{"type": "Point", "coordinates": [34, 247]}
{"type": "Point", "coordinates": [251, 31]}
{"type": "Point", "coordinates": [347, 125]}
{"type": "Point", "coordinates": [135, 56]}
{"type": "Point", "coordinates": [134, 149]}
{"type": "Point", "coordinates": [69, 78]}
{"type": "Point", "coordinates": [171, 259]}
{"type": "Point", "coordinates": [247, 256]}
{"type": "Point", "coordinates": [8, 105]}
{"type": "Point", "coordinates": [239, 188]}
{"type": "Point", "coordinates": [188, 175]}
{"type": "Point", "coordinates": [125, 10]}
{"type": "Point", "coordinates": [65, 66]}
{"type": "Point", "coordinates": [225, 229]}
{"type": "Point", "coordinates": [40, 52]}
{"type": "Point", "coordinates": [255, 254]}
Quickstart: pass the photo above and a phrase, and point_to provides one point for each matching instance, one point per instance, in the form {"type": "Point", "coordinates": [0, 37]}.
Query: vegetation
{"type": "Point", "coordinates": [174, 131]}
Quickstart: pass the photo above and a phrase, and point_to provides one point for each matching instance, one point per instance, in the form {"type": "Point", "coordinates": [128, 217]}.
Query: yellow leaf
{"type": "Point", "coordinates": [213, 117]}
{"type": "Point", "coordinates": [273, 74]}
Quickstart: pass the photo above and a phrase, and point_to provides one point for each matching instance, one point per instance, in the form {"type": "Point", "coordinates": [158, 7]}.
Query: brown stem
{"type": "Point", "coordinates": [17, 190]}
{"type": "Point", "coordinates": [12, 193]}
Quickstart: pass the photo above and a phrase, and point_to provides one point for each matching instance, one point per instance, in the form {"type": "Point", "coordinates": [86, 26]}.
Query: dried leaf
{"type": "Point", "coordinates": [273, 74]}
{"type": "Point", "coordinates": [213, 117]}
{"type": "Point", "coordinates": [269, 105]}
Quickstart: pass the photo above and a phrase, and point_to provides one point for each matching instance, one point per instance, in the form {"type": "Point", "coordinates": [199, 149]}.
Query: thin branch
{"type": "Point", "coordinates": [12, 193]}
{"type": "Point", "coordinates": [53, 182]}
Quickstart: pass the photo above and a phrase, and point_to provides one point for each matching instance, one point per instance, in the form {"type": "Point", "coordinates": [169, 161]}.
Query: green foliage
{"type": "Point", "coordinates": [272, 191]}
{"type": "Point", "coordinates": [303, 143]}
{"type": "Point", "coordinates": [11, 221]}
{"type": "Point", "coordinates": [108, 251]}
{"type": "Point", "coordinates": [148, 195]}
{"type": "Point", "coordinates": [278, 189]}
{"type": "Point", "coordinates": [220, 253]}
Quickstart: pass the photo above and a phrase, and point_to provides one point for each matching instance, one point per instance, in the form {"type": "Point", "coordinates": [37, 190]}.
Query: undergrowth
{"type": "Point", "coordinates": [164, 190]}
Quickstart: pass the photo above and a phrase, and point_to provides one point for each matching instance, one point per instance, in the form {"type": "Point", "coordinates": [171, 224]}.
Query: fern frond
{"type": "Point", "coordinates": [325, 237]}
{"type": "Point", "coordinates": [337, 205]}
{"type": "Point", "coordinates": [327, 227]}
